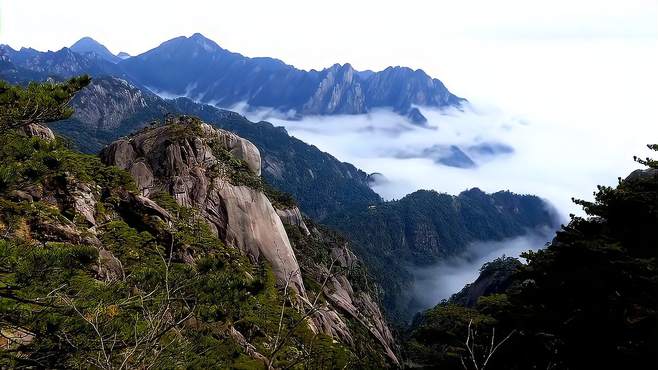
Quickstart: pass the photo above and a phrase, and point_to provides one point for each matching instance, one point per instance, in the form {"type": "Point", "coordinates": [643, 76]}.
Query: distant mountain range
{"type": "Point", "coordinates": [198, 68]}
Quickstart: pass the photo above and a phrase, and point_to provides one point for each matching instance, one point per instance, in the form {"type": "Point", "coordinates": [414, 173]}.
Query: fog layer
{"type": "Point", "coordinates": [439, 282]}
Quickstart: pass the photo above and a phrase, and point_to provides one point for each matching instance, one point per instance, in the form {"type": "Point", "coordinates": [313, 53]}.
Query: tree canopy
{"type": "Point", "coordinates": [37, 102]}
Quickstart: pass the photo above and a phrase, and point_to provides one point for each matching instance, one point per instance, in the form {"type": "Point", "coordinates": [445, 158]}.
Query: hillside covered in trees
{"type": "Point", "coordinates": [107, 267]}
{"type": "Point", "coordinates": [587, 301]}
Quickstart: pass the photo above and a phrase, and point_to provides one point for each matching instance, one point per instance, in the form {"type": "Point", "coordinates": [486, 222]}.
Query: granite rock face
{"type": "Point", "coordinates": [187, 158]}
{"type": "Point", "coordinates": [179, 158]}
{"type": "Point", "coordinates": [114, 100]}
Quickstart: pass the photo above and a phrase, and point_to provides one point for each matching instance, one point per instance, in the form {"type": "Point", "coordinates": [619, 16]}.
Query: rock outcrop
{"type": "Point", "coordinates": [325, 257]}
{"type": "Point", "coordinates": [217, 173]}
{"type": "Point", "coordinates": [181, 159]}
{"type": "Point", "coordinates": [293, 216]}
{"type": "Point", "coordinates": [119, 100]}
{"type": "Point", "coordinates": [42, 132]}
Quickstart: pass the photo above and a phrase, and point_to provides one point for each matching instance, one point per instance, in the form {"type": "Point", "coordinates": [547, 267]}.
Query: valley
{"type": "Point", "coordinates": [188, 206]}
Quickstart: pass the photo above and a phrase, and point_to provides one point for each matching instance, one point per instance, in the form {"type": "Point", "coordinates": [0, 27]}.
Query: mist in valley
{"type": "Point", "coordinates": [547, 139]}
{"type": "Point", "coordinates": [436, 283]}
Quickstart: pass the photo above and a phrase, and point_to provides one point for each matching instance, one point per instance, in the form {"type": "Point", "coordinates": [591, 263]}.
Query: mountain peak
{"type": "Point", "coordinates": [199, 36]}
{"type": "Point", "coordinates": [206, 43]}
{"type": "Point", "coordinates": [88, 45]}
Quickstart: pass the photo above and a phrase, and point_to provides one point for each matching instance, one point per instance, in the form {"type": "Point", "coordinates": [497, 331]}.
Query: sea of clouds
{"type": "Point", "coordinates": [573, 113]}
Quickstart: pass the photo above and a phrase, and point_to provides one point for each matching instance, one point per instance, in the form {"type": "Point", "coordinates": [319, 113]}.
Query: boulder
{"type": "Point", "coordinates": [40, 131]}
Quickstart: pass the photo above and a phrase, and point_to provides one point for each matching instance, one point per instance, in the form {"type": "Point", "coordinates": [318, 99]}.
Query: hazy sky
{"type": "Point", "coordinates": [312, 34]}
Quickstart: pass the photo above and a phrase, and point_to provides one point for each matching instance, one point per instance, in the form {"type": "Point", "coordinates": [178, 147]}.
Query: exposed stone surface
{"type": "Point", "coordinates": [36, 130]}
{"type": "Point", "coordinates": [346, 304]}
{"type": "Point", "coordinates": [639, 175]}
{"type": "Point", "coordinates": [359, 306]}
{"type": "Point", "coordinates": [109, 267]}
{"type": "Point", "coordinates": [293, 216]}
{"type": "Point", "coordinates": [169, 157]}
{"type": "Point", "coordinates": [119, 103]}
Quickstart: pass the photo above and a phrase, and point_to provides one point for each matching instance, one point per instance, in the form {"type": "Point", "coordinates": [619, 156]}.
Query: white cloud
{"type": "Point", "coordinates": [435, 283]}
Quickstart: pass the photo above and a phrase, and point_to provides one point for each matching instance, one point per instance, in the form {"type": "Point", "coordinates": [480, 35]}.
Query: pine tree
{"type": "Point", "coordinates": [38, 102]}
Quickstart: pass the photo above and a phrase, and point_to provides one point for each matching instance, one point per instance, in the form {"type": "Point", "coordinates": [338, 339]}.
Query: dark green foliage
{"type": "Point", "coordinates": [426, 227]}
{"type": "Point", "coordinates": [279, 199]}
{"type": "Point", "coordinates": [136, 291]}
{"type": "Point", "coordinates": [315, 250]}
{"type": "Point", "coordinates": [586, 301]}
{"type": "Point", "coordinates": [38, 102]}
{"type": "Point", "coordinates": [28, 161]}
{"type": "Point", "coordinates": [237, 171]}
{"type": "Point", "coordinates": [495, 276]}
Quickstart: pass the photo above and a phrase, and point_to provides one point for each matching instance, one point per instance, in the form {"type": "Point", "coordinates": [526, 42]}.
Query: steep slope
{"type": "Point", "coordinates": [588, 300]}
{"type": "Point", "coordinates": [217, 173]}
{"type": "Point", "coordinates": [87, 234]}
{"type": "Point", "coordinates": [426, 227]}
{"type": "Point", "coordinates": [110, 108]}
{"type": "Point", "coordinates": [87, 45]}
{"type": "Point", "coordinates": [14, 74]}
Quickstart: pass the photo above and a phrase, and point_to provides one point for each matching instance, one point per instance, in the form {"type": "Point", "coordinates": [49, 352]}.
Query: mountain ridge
{"type": "Point", "coordinates": [199, 68]}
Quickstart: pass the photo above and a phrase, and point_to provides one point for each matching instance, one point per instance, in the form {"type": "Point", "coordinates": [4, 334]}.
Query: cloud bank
{"type": "Point", "coordinates": [436, 283]}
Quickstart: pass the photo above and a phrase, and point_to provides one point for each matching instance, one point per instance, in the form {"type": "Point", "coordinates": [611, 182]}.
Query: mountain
{"type": "Point", "coordinates": [109, 108]}
{"type": "Point", "coordinates": [15, 74]}
{"type": "Point", "coordinates": [587, 300]}
{"type": "Point", "coordinates": [426, 227]}
{"type": "Point", "coordinates": [61, 64]}
{"type": "Point", "coordinates": [123, 55]}
{"type": "Point", "coordinates": [168, 250]}
{"type": "Point", "coordinates": [198, 68]}
{"type": "Point", "coordinates": [87, 45]}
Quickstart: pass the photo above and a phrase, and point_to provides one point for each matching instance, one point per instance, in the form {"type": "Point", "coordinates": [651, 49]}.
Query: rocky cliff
{"type": "Point", "coordinates": [186, 228]}
{"type": "Point", "coordinates": [180, 158]}
{"type": "Point", "coordinates": [217, 173]}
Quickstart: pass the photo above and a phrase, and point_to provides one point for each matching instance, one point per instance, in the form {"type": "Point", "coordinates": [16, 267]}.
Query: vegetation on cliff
{"type": "Point", "coordinates": [426, 227]}
{"type": "Point", "coordinates": [94, 275]}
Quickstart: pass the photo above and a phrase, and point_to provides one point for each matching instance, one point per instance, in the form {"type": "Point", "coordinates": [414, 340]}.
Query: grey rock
{"type": "Point", "coordinates": [40, 131]}
{"type": "Point", "coordinates": [292, 216]}
{"type": "Point", "coordinates": [183, 164]}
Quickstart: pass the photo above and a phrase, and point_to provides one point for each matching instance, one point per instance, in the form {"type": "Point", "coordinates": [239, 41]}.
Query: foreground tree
{"type": "Point", "coordinates": [37, 103]}
{"type": "Point", "coordinates": [587, 301]}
